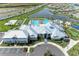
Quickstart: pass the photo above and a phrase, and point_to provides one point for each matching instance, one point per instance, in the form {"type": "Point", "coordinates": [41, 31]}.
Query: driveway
{"type": "Point", "coordinates": [41, 49]}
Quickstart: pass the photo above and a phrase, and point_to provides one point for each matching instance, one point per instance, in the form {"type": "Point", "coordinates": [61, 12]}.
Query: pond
{"type": "Point", "coordinates": [75, 26]}
{"type": "Point", "coordinates": [43, 13]}
{"type": "Point", "coordinates": [46, 13]}
{"type": "Point", "coordinates": [61, 17]}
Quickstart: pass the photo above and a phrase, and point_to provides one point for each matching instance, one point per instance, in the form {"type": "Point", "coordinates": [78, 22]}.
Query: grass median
{"type": "Point", "coordinates": [74, 51]}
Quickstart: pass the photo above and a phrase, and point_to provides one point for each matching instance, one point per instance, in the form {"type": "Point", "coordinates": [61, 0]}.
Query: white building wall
{"type": "Point", "coordinates": [10, 40]}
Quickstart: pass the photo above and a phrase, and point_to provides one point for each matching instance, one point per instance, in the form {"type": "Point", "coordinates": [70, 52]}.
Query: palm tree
{"type": "Point", "coordinates": [25, 49]}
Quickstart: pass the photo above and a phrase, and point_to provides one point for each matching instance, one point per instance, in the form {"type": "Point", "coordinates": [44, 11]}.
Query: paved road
{"type": "Point", "coordinates": [41, 49]}
{"type": "Point", "coordinates": [1, 34]}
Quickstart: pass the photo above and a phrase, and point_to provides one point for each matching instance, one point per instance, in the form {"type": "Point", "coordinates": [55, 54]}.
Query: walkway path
{"type": "Point", "coordinates": [64, 50]}
{"type": "Point", "coordinates": [1, 42]}
{"type": "Point", "coordinates": [70, 45]}
{"type": "Point", "coordinates": [23, 22]}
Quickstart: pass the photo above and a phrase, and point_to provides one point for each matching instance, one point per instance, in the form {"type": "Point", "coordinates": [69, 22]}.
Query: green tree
{"type": "Point", "coordinates": [48, 53]}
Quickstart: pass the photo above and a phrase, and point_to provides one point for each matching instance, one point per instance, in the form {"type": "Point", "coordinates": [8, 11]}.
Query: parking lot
{"type": "Point", "coordinates": [12, 52]}
{"type": "Point", "coordinates": [41, 49]}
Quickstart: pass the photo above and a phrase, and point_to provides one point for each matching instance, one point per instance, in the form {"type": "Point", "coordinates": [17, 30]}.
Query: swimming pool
{"type": "Point", "coordinates": [35, 22]}
{"type": "Point", "coordinates": [75, 26]}
{"type": "Point", "coordinates": [45, 21]}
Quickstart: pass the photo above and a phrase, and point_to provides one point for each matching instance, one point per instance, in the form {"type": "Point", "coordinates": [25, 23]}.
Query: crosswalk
{"type": "Point", "coordinates": [45, 40]}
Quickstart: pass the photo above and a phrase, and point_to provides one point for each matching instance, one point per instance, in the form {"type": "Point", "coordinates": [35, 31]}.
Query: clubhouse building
{"type": "Point", "coordinates": [36, 28]}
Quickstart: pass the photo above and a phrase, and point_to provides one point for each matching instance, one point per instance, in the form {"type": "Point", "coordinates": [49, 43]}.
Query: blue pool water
{"type": "Point", "coordinates": [75, 26]}
{"type": "Point", "coordinates": [45, 21]}
{"type": "Point", "coordinates": [35, 22]}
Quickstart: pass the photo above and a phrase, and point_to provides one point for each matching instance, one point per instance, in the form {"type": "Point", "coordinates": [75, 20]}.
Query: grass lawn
{"type": "Point", "coordinates": [62, 43]}
{"type": "Point", "coordinates": [31, 50]}
{"type": "Point", "coordinates": [12, 44]}
{"type": "Point", "coordinates": [39, 18]}
{"type": "Point", "coordinates": [75, 18]}
{"type": "Point", "coordinates": [76, 23]}
{"type": "Point", "coordinates": [74, 51]}
{"type": "Point", "coordinates": [72, 33]}
{"type": "Point", "coordinates": [4, 28]}
{"type": "Point", "coordinates": [7, 44]}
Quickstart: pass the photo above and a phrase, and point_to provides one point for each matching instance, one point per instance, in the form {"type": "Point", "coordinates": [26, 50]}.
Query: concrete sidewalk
{"type": "Point", "coordinates": [70, 45]}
